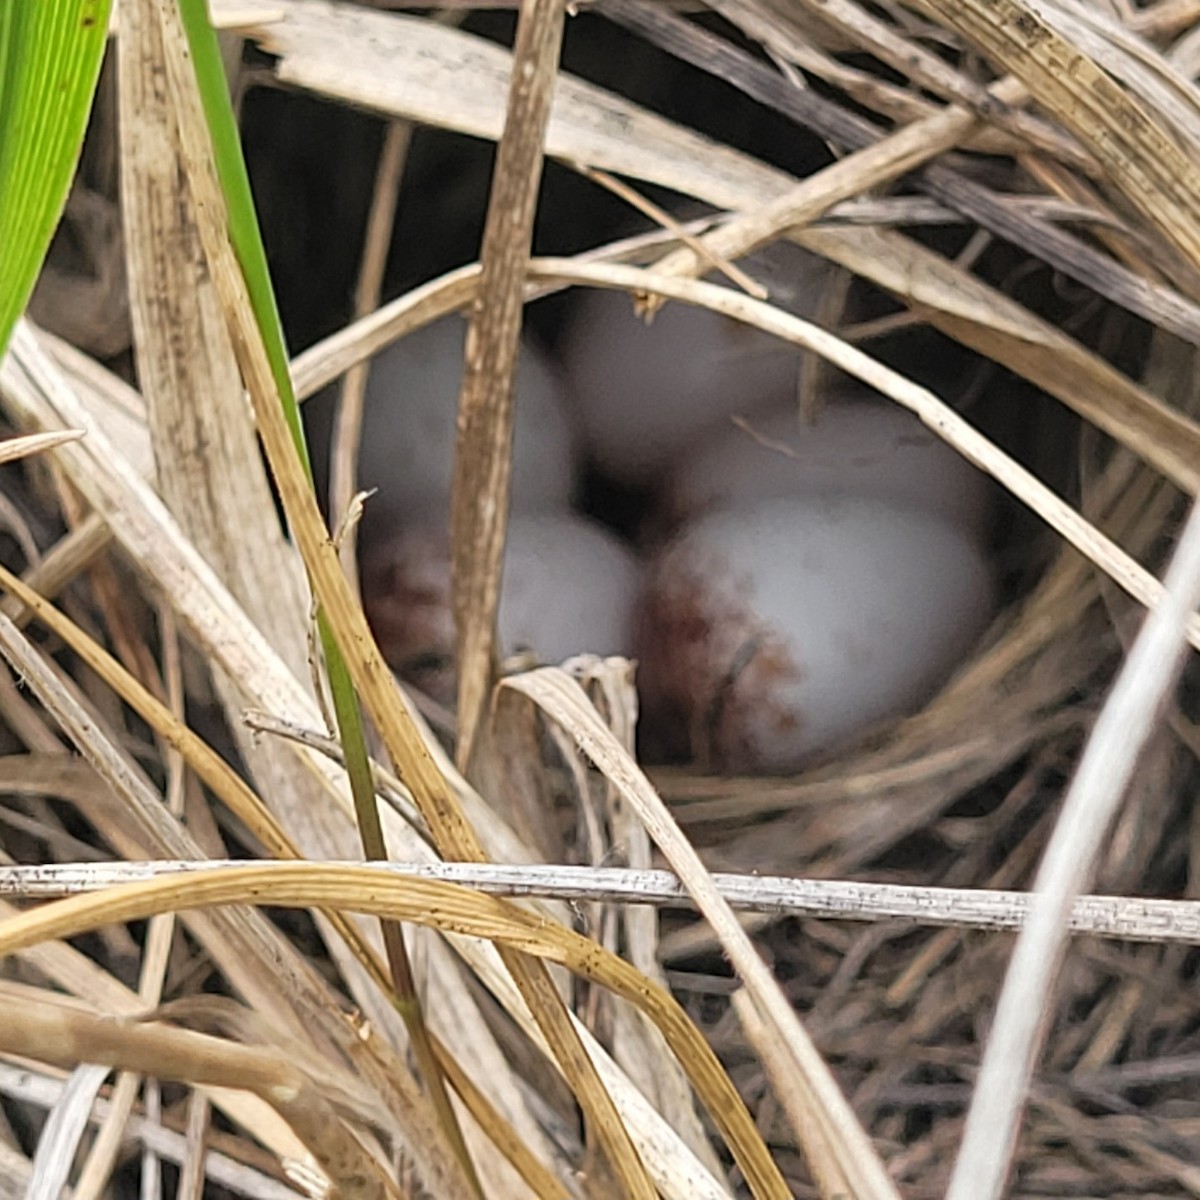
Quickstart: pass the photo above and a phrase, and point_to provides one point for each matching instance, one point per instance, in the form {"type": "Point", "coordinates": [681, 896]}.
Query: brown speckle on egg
{"type": "Point", "coordinates": [771, 633]}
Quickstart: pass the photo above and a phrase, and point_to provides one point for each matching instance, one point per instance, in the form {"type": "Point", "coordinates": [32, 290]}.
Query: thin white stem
{"type": "Point", "coordinates": [1127, 918]}
{"type": "Point", "coordinates": [1126, 722]}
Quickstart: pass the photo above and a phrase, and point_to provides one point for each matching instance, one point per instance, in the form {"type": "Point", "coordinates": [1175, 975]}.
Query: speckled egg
{"type": "Point", "coordinates": [768, 634]}
{"type": "Point", "coordinates": [569, 587]}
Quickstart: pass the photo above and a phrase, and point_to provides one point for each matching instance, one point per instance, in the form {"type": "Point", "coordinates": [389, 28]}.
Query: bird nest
{"type": "Point", "coordinates": [1011, 195]}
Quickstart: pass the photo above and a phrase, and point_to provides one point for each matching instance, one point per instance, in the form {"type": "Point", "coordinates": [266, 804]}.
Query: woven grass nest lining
{"type": "Point", "coordinates": [963, 792]}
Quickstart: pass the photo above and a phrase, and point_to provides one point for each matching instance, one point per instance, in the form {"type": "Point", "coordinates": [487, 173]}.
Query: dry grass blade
{"type": "Point", "coordinates": [160, 934]}
{"type": "Point", "coordinates": [483, 452]}
{"type": "Point", "coordinates": [12, 449]}
{"type": "Point", "coordinates": [840, 1152]}
{"type": "Point", "coordinates": [191, 1176]}
{"type": "Point", "coordinates": [678, 231]}
{"type": "Point", "coordinates": [1148, 164]}
{"type": "Point", "coordinates": [911, 58]}
{"type": "Point", "coordinates": [65, 1126]}
{"type": "Point", "coordinates": [97, 1169]}
{"type": "Point", "coordinates": [305, 810]}
{"type": "Point", "coordinates": [1125, 723]}
{"type": "Point", "coordinates": [242, 801]}
{"type": "Point", "coordinates": [407, 67]}
{"type": "Point", "coordinates": [333, 356]}
{"type": "Point", "coordinates": [636, 1044]}
{"type": "Point", "coordinates": [71, 554]}
{"type": "Point", "coordinates": [343, 454]}
{"type": "Point", "coordinates": [64, 1037]}
{"type": "Point", "coordinates": [441, 905]}
{"type": "Point", "coordinates": [540, 1179]}
{"type": "Point", "coordinates": [41, 1091]}
{"type": "Point", "coordinates": [876, 164]}
{"type": "Point", "coordinates": [39, 393]}
{"type": "Point", "coordinates": [208, 466]}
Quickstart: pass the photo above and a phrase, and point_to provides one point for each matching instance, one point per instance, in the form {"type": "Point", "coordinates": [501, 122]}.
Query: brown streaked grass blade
{"type": "Point", "coordinates": [483, 450]}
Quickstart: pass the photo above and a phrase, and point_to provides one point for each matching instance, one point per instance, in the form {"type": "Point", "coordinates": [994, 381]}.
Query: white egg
{"type": "Point", "coordinates": [642, 391]}
{"type": "Point", "coordinates": [569, 587]}
{"type": "Point", "coordinates": [856, 446]}
{"type": "Point", "coordinates": [410, 421]}
{"type": "Point", "coordinates": [768, 634]}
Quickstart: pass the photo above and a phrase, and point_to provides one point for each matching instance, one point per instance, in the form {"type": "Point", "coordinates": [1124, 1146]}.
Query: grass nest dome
{"type": "Point", "coordinates": [1011, 195]}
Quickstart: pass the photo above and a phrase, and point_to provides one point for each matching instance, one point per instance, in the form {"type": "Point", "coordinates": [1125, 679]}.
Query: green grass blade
{"type": "Point", "coordinates": [50, 53]}
{"type": "Point", "coordinates": [243, 218]}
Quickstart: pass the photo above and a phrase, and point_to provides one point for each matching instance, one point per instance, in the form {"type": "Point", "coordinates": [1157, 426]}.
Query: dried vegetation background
{"type": "Point", "coordinates": [1011, 187]}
